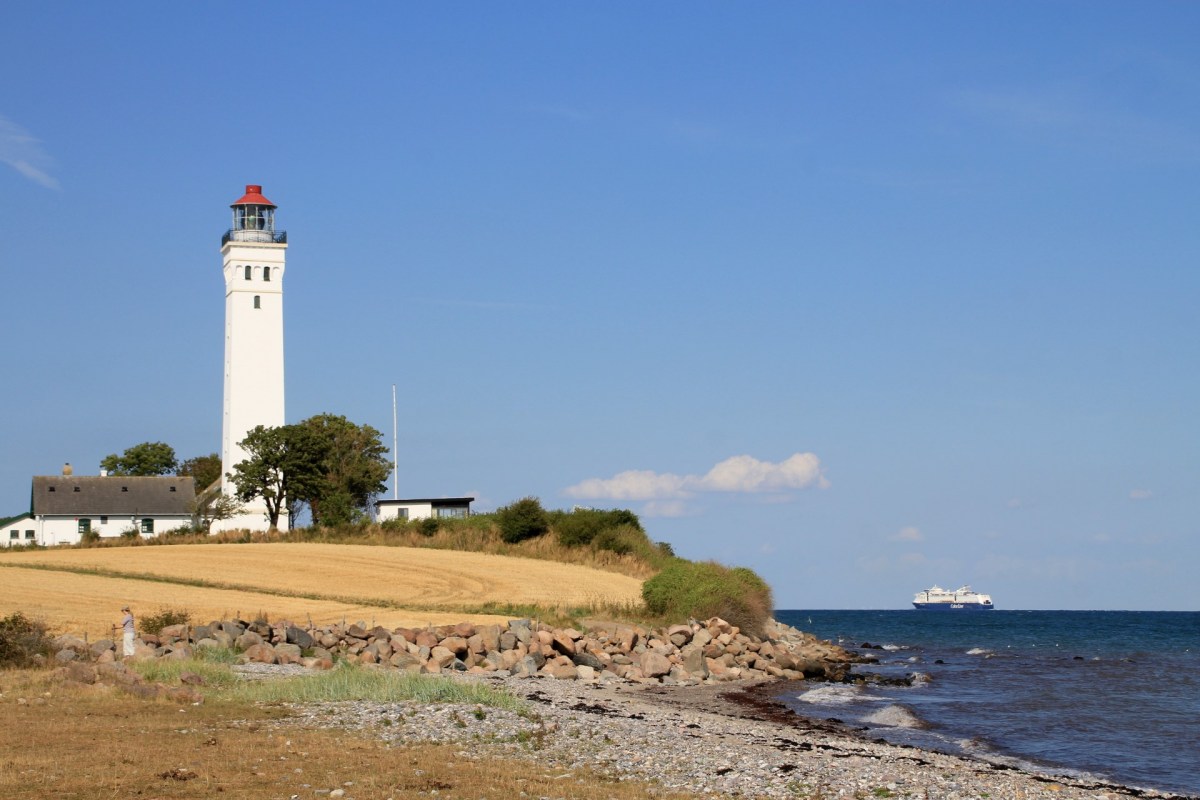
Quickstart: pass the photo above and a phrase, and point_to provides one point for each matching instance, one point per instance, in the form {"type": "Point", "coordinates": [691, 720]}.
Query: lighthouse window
{"type": "Point", "coordinates": [257, 301]}
{"type": "Point", "coordinates": [266, 273]}
{"type": "Point", "coordinates": [247, 272]}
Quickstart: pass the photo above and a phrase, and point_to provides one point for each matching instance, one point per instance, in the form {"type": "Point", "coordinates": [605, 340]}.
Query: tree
{"type": "Point", "coordinates": [283, 463]}
{"type": "Point", "coordinates": [353, 469]}
{"type": "Point", "coordinates": [212, 504]}
{"type": "Point", "coordinates": [204, 470]}
{"type": "Point", "coordinates": [147, 458]}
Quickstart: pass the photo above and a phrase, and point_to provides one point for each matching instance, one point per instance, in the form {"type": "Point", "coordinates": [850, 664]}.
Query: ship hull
{"type": "Point", "coordinates": [953, 606]}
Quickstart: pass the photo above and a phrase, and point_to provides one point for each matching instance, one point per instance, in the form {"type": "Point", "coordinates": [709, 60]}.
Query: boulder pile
{"type": "Point", "coordinates": [696, 652]}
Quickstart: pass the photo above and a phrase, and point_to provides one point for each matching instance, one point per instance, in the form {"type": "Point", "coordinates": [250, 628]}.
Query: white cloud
{"type": "Point", "coordinates": [634, 484]}
{"type": "Point", "coordinates": [748, 474]}
{"type": "Point", "coordinates": [21, 151]}
{"type": "Point", "coordinates": [744, 474]}
{"type": "Point", "coordinates": [1140, 494]}
{"type": "Point", "coordinates": [908, 534]}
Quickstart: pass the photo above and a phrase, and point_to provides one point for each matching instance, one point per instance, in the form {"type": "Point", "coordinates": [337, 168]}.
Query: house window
{"type": "Point", "coordinates": [248, 273]}
{"type": "Point", "coordinates": [14, 534]}
{"type": "Point", "coordinates": [29, 535]}
{"type": "Point", "coordinates": [103, 520]}
{"type": "Point", "coordinates": [147, 525]}
{"type": "Point", "coordinates": [451, 512]}
{"type": "Point", "coordinates": [266, 273]}
{"type": "Point", "coordinates": [85, 526]}
{"type": "Point", "coordinates": [257, 301]}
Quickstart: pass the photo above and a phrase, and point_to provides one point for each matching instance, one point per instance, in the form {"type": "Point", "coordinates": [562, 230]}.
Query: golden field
{"type": "Point", "coordinates": [83, 590]}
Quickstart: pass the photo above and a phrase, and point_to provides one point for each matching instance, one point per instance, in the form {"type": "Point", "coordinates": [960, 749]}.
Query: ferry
{"type": "Point", "coordinates": [961, 599]}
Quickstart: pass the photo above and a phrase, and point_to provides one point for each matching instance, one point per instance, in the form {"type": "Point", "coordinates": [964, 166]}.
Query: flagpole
{"type": "Point", "coordinates": [395, 455]}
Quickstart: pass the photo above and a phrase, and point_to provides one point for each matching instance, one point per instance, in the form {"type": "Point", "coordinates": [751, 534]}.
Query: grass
{"type": "Point", "coordinates": [85, 742]}
{"type": "Point", "coordinates": [353, 683]}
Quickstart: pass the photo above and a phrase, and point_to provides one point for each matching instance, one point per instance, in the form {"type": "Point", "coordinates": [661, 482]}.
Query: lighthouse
{"type": "Point", "coordinates": [253, 254]}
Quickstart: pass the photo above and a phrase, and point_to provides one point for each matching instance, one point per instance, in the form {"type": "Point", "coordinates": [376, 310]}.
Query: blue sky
{"type": "Point", "coordinates": [864, 296]}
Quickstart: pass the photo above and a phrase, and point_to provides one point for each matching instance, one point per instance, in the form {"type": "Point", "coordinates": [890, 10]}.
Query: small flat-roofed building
{"type": "Point", "coordinates": [65, 507]}
{"type": "Point", "coordinates": [423, 508]}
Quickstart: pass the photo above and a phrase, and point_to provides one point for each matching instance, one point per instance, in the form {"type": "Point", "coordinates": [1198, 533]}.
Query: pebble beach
{"type": "Point", "coordinates": [729, 740]}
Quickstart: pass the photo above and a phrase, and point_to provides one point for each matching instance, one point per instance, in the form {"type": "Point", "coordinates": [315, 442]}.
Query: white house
{"type": "Point", "coordinates": [64, 507]}
{"type": "Point", "coordinates": [423, 508]}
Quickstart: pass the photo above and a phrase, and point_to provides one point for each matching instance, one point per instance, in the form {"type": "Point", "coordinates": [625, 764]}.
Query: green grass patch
{"type": "Point", "coordinates": [351, 683]}
{"type": "Point", "coordinates": [168, 670]}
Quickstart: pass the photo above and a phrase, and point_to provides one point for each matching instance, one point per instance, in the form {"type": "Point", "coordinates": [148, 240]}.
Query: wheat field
{"type": "Point", "coordinates": [83, 590]}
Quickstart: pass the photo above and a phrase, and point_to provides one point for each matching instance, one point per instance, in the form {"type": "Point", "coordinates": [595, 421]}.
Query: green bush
{"type": "Point", "coordinates": [428, 526]}
{"type": "Point", "coordinates": [582, 526]}
{"type": "Point", "coordinates": [689, 589]}
{"type": "Point", "coordinates": [21, 639]}
{"type": "Point", "coordinates": [522, 519]}
{"type": "Point", "coordinates": [622, 540]}
{"type": "Point", "coordinates": [154, 623]}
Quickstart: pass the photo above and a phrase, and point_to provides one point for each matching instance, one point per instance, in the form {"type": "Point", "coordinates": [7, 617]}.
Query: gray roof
{"type": "Point", "coordinates": [70, 495]}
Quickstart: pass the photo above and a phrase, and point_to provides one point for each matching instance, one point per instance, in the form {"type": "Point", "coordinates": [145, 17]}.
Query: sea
{"type": "Point", "coordinates": [1109, 696]}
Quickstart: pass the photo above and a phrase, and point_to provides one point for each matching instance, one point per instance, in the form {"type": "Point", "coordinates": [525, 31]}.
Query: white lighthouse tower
{"type": "Point", "coordinates": [253, 254]}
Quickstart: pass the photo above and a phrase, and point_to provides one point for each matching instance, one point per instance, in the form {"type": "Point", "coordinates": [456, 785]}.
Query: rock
{"type": "Point", "coordinates": [403, 660]}
{"type": "Point", "coordinates": [298, 637]}
{"type": "Point", "coordinates": [456, 645]}
{"type": "Point", "coordinates": [247, 640]}
{"type": "Point", "coordinates": [80, 672]}
{"type": "Point", "coordinates": [356, 631]}
{"type": "Point", "coordinates": [654, 665]}
{"type": "Point", "coordinates": [181, 652]}
{"type": "Point", "coordinates": [693, 661]}
{"type": "Point", "coordinates": [562, 672]}
{"type": "Point", "coordinates": [427, 639]}
{"type": "Point", "coordinates": [564, 642]}
{"type": "Point", "coordinates": [171, 632]}
{"type": "Point", "coordinates": [441, 656]}
{"type": "Point", "coordinates": [464, 630]}
{"type": "Point", "coordinates": [191, 678]}
{"type": "Point", "coordinates": [587, 660]}
{"type": "Point", "coordinates": [65, 656]}
{"type": "Point", "coordinates": [100, 646]}
{"type": "Point", "coordinates": [288, 653]}
{"type": "Point", "coordinates": [260, 653]}
{"type": "Point", "coordinates": [68, 642]}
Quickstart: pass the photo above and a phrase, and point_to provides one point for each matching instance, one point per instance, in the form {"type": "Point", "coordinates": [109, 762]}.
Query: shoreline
{"type": "Point", "coordinates": [722, 740]}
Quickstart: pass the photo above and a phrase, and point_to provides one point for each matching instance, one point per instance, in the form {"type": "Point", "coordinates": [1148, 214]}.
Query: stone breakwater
{"type": "Point", "coordinates": [712, 651]}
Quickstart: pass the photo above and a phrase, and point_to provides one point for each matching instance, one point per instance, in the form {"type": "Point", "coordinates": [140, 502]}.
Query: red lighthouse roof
{"type": "Point", "coordinates": [253, 197]}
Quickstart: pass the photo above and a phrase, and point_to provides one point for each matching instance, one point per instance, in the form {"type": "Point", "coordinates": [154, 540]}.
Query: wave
{"type": "Point", "coordinates": [831, 695]}
{"type": "Point", "coordinates": [894, 717]}
{"type": "Point", "coordinates": [979, 651]}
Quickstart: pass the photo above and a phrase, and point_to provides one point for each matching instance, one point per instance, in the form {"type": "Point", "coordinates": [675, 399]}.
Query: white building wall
{"type": "Point", "coordinates": [253, 358]}
{"type": "Point", "coordinates": [415, 511]}
{"type": "Point", "coordinates": [50, 530]}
